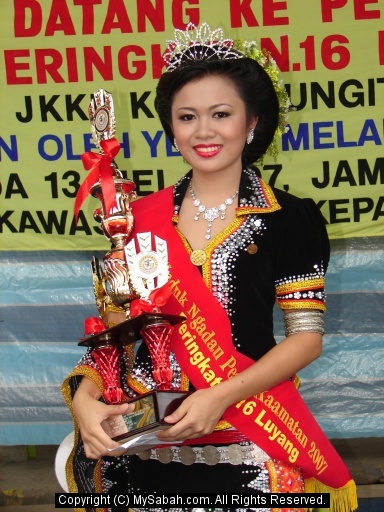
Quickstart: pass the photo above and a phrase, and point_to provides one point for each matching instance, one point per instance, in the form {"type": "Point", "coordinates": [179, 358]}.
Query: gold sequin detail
{"type": "Point", "coordinates": [305, 304]}
{"type": "Point", "coordinates": [307, 284]}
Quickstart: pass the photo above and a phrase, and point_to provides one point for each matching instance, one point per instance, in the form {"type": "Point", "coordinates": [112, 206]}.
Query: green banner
{"type": "Point", "coordinates": [56, 53]}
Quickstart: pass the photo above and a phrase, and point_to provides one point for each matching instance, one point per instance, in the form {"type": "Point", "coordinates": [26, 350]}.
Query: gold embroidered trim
{"type": "Point", "coordinates": [308, 284]}
{"type": "Point", "coordinates": [80, 371]}
{"type": "Point", "coordinates": [136, 385]}
{"type": "Point", "coordinates": [215, 242]}
{"type": "Point", "coordinates": [222, 425]}
{"type": "Point", "coordinates": [97, 477]}
{"type": "Point", "coordinates": [296, 381]}
{"type": "Point", "coordinates": [130, 351]}
{"type": "Point", "coordinates": [269, 197]}
{"type": "Point", "coordinates": [72, 486]}
{"type": "Point", "coordinates": [273, 481]}
{"type": "Point", "coordinates": [139, 387]}
{"type": "Point", "coordinates": [297, 304]}
{"type": "Point", "coordinates": [184, 382]}
{"type": "Point", "coordinates": [92, 374]}
{"type": "Point", "coordinates": [183, 239]}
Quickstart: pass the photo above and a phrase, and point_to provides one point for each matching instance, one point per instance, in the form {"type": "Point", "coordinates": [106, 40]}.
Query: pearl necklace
{"type": "Point", "coordinates": [210, 214]}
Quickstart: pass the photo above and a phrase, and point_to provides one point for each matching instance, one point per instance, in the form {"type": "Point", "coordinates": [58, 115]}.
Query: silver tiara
{"type": "Point", "coordinates": [198, 43]}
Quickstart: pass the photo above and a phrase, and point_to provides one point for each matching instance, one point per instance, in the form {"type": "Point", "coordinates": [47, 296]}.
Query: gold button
{"type": "Point", "coordinates": [252, 249]}
{"type": "Point", "coordinates": [198, 257]}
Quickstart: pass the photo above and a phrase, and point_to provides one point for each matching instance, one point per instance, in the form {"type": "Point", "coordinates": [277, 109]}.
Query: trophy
{"type": "Point", "coordinates": [132, 280]}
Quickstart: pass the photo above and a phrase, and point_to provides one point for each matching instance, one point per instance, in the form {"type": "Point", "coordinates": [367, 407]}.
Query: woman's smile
{"type": "Point", "coordinates": [207, 151]}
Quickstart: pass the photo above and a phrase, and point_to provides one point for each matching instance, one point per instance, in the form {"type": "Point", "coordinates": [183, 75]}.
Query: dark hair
{"type": "Point", "coordinates": [252, 83]}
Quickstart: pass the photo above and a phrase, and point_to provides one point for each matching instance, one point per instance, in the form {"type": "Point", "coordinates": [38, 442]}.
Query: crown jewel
{"type": "Point", "coordinates": [198, 43]}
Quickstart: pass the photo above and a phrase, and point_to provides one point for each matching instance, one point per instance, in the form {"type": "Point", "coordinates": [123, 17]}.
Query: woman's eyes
{"type": "Point", "coordinates": [186, 117]}
{"type": "Point", "coordinates": [220, 115]}
{"type": "Point", "coordinates": [190, 117]}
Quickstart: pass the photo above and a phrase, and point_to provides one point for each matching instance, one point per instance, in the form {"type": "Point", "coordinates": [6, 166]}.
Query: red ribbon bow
{"type": "Point", "coordinates": [93, 325]}
{"type": "Point", "coordinates": [99, 165]}
{"type": "Point", "coordinates": [157, 298]}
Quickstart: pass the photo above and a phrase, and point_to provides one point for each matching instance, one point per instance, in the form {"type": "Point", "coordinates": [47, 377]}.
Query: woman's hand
{"type": "Point", "coordinates": [197, 416]}
{"type": "Point", "coordinates": [90, 413]}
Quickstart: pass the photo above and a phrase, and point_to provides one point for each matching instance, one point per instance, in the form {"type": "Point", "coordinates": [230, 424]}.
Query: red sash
{"type": "Point", "coordinates": [277, 420]}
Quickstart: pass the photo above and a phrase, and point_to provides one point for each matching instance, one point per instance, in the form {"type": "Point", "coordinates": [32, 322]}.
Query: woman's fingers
{"type": "Point", "coordinates": [96, 441]}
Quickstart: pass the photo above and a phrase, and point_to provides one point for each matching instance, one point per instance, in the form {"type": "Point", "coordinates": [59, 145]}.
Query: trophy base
{"type": "Point", "coordinates": [136, 430]}
{"type": "Point", "coordinates": [128, 331]}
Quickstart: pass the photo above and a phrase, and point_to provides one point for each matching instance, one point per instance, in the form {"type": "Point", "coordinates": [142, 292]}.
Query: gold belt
{"type": "Point", "coordinates": [211, 455]}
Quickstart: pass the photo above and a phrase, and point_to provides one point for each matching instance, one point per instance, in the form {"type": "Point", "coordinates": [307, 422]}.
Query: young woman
{"type": "Point", "coordinates": [236, 246]}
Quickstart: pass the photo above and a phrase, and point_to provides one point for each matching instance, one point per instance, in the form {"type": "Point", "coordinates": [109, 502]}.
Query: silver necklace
{"type": "Point", "coordinates": [210, 214]}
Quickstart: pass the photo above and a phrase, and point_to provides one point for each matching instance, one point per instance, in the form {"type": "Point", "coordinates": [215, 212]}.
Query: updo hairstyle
{"type": "Point", "coordinates": [252, 83]}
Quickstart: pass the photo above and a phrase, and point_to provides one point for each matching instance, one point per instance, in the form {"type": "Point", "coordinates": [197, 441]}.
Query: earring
{"type": "Point", "coordinates": [250, 136]}
{"type": "Point", "coordinates": [175, 144]}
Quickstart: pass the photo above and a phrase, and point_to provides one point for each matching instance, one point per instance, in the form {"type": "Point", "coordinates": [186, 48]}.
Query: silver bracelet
{"type": "Point", "coordinates": [303, 321]}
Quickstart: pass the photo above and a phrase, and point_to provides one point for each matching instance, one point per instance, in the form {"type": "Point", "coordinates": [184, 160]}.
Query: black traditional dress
{"type": "Point", "coordinates": [275, 251]}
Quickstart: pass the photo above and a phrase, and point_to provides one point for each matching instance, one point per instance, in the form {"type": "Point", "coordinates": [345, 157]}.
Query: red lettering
{"type": "Point", "coordinates": [20, 19]}
{"type": "Point", "coordinates": [138, 65]}
{"type": "Point", "coordinates": [155, 15]}
{"type": "Point", "coordinates": [59, 19]}
{"type": "Point", "coordinates": [104, 67]}
{"type": "Point", "coordinates": [381, 47]}
{"type": "Point", "coordinates": [362, 14]}
{"type": "Point", "coordinates": [269, 9]}
{"type": "Point", "coordinates": [327, 7]}
{"type": "Point", "coordinates": [12, 67]}
{"type": "Point", "coordinates": [181, 17]}
{"type": "Point", "coordinates": [239, 9]}
{"type": "Point", "coordinates": [88, 14]}
{"type": "Point", "coordinates": [281, 57]}
{"type": "Point", "coordinates": [334, 55]}
{"type": "Point", "coordinates": [48, 62]}
{"type": "Point", "coordinates": [131, 62]}
{"type": "Point", "coordinates": [73, 74]}
{"type": "Point", "coordinates": [308, 46]}
{"type": "Point", "coordinates": [150, 14]}
{"type": "Point", "coordinates": [116, 8]}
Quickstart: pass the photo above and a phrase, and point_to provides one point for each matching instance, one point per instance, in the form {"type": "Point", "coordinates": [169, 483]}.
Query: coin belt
{"type": "Point", "coordinates": [211, 455]}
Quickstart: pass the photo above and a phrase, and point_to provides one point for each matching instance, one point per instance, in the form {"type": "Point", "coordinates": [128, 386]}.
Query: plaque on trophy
{"type": "Point", "coordinates": [135, 429]}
